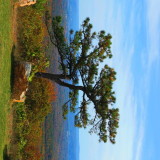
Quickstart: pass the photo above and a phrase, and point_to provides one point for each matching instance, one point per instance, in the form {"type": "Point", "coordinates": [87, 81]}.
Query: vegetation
{"type": "Point", "coordinates": [5, 67]}
{"type": "Point", "coordinates": [21, 128]}
{"type": "Point", "coordinates": [38, 106]}
{"type": "Point", "coordinates": [80, 58]}
{"type": "Point", "coordinates": [31, 36]}
{"type": "Point", "coordinates": [39, 98]}
{"type": "Point", "coordinates": [28, 120]}
{"type": "Point", "coordinates": [29, 116]}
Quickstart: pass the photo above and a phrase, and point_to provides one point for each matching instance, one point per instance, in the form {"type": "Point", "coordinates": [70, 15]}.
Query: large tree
{"type": "Point", "coordinates": [79, 59]}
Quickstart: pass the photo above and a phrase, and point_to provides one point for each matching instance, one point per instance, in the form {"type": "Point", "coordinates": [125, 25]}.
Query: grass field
{"type": "Point", "coordinates": [5, 66]}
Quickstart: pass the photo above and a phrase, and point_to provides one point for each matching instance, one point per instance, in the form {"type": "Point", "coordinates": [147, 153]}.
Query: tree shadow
{"type": "Point", "coordinates": [5, 153]}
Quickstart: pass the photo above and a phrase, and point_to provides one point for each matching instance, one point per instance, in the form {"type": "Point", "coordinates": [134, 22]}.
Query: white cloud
{"type": "Point", "coordinates": [151, 58]}
{"type": "Point", "coordinates": [139, 140]}
{"type": "Point", "coordinates": [153, 17]}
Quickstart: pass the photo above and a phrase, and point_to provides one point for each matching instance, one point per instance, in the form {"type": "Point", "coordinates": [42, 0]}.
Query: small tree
{"type": "Point", "coordinates": [79, 59]}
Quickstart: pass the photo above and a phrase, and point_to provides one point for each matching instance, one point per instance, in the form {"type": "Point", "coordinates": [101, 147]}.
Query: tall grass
{"type": "Point", "coordinates": [5, 66]}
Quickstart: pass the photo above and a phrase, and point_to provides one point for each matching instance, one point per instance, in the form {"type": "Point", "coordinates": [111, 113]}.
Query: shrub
{"type": "Point", "coordinates": [39, 96]}
{"type": "Point", "coordinates": [31, 35]}
{"type": "Point", "coordinates": [34, 141]}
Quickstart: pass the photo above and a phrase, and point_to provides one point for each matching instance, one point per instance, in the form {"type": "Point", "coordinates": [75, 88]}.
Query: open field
{"type": "Point", "coordinates": [5, 66]}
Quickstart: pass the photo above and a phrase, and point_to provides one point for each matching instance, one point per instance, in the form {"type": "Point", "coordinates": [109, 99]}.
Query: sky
{"type": "Point", "coordinates": [135, 28]}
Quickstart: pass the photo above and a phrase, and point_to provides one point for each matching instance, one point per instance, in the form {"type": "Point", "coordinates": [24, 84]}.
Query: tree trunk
{"type": "Point", "coordinates": [57, 78]}
{"type": "Point", "coordinates": [53, 76]}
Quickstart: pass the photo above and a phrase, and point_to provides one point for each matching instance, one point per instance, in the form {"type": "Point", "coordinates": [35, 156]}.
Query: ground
{"type": "Point", "coordinates": [6, 46]}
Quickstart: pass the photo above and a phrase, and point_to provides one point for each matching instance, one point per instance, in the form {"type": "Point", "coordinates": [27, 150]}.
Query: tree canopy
{"type": "Point", "coordinates": [80, 57]}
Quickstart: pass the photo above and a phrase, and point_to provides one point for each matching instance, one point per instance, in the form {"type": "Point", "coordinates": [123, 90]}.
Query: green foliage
{"type": "Point", "coordinates": [31, 37]}
{"type": "Point", "coordinates": [37, 101]}
{"type": "Point", "coordinates": [40, 6]}
{"type": "Point", "coordinates": [41, 67]}
{"type": "Point", "coordinates": [20, 111]}
{"type": "Point", "coordinates": [21, 128]}
{"type": "Point", "coordinates": [22, 143]}
{"type": "Point", "coordinates": [80, 58]}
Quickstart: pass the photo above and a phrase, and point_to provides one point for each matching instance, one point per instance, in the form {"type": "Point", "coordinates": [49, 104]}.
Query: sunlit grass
{"type": "Point", "coordinates": [5, 67]}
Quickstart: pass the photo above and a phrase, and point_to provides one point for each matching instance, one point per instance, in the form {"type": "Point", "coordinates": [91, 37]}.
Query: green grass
{"type": "Point", "coordinates": [5, 67]}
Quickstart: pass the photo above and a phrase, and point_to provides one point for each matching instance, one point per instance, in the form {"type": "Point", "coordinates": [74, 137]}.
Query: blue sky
{"type": "Point", "coordinates": [135, 27]}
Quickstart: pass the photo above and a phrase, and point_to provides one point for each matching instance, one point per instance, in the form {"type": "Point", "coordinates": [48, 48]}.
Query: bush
{"type": "Point", "coordinates": [40, 6]}
{"type": "Point", "coordinates": [38, 99]}
{"type": "Point", "coordinates": [31, 35]}
{"type": "Point", "coordinates": [30, 116]}
{"type": "Point", "coordinates": [32, 148]}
